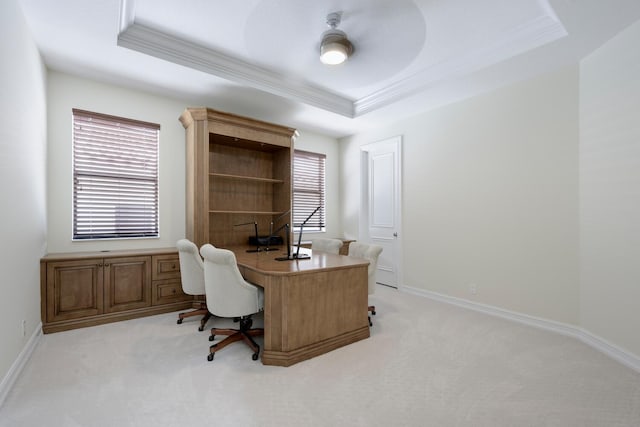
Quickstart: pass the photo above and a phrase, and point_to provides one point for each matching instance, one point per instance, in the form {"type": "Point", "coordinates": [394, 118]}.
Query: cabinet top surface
{"type": "Point", "coordinates": [109, 254]}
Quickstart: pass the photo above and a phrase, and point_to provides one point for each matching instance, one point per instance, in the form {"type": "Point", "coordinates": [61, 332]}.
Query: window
{"type": "Point", "coordinates": [308, 190]}
{"type": "Point", "coordinates": [115, 177]}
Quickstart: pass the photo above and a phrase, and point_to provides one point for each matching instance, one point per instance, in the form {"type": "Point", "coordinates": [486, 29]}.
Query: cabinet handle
{"type": "Point", "coordinates": [98, 265]}
{"type": "Point", "coordinates": [106, 265]}
{"type": "Point", "coordinates": [173, 291]}
{"type": "Point", "coordinates": [173, 266]}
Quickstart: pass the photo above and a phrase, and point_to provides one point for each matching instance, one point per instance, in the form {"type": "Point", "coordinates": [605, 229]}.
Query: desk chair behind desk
{"type": "Point", "coordinates": [230, 295]}
{"type": "Point", "coordinates": [331, 246]}
{"type": "Point", "coordinates": [370, 253]}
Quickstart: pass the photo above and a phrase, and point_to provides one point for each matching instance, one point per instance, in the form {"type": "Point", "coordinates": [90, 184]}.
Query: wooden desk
{"type": "Point", "coordinates": [312, 306]}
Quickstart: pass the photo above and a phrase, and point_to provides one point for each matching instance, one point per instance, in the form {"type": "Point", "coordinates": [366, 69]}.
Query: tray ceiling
{"type": "Point", "coordinates": [260, 57]}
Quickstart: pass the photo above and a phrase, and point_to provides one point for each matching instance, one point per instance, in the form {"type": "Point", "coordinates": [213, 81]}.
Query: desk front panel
{"type": "Point", "coordinates": [311, 306]}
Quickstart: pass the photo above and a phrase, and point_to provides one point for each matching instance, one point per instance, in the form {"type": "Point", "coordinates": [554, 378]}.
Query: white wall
{"type": "Point", "coordinates": [22, 178]}
{"type": "Point", "coordinates": [610, 191]}
{"type": "Point", "coordinates": [66, 92]}
{"type": "Point", "coordinates": [490, 197]}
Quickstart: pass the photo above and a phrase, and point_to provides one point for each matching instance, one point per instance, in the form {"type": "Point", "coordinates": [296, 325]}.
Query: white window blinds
{"type": "Point", "coordinates": [308, 190]}
{"type": "Point", "coordinates": [115, 177]}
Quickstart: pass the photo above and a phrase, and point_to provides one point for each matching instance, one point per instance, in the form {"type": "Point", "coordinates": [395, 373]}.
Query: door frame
{"type": "Point", "coordinates": [363, 229]}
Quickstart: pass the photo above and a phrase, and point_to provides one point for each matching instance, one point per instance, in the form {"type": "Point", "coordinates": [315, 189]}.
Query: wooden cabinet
{"type": "Point", "coordinates": [166, 286]}
{"type": "Point", "coordinates": [84, 289]}
{"type": "Point", "coordinates": [238, 174]}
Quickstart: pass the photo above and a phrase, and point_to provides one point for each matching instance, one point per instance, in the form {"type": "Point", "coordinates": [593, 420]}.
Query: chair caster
{"type": "Point", "coordinates": [179, 322]}
{"type": "Point", "coordinates": [201, 328]}
{"type": "Point", "coordinates": [370, 324]}
{"type": "Point", "coordinates": [210, 357]}
{"type": "Point", "coordinates": [255, 355]}
{"type": "Point", "coordinates": [211, 337]}
{"type": "Point", "coordinates": [373, 312]}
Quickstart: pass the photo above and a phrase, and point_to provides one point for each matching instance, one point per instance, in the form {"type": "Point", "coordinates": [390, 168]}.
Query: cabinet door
{"type": "Point", "coordinates": [127, 283]}
{"type": "Point", "coordinates": [74, 289]}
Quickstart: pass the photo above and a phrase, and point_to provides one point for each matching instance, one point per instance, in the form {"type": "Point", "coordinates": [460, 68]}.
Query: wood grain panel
{"type": "Point", "coordinates": [73, 289]}
{"type": "Point", "coordinates": [165, 267]}
{"type": "Point", "coordinates": [127, 283]}
{"type": "Point", "coordinates": [241, 195]}
{"type": "Point", "coordinates": [197, 186]}
{"type": "Point", "coordinates": [311, 306]}
{"type": "Point", "coordinates": [168, 291]}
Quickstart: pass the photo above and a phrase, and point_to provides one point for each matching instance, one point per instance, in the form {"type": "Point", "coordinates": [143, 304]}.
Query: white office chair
{"type": "Point", "coordinates": [370, 253]}
{"type": "Point", "coordinates": [331, 246]}
{"type": "Point", "coordinates": [229, 295]}
{"type": "Point", "coordinates": [192, 277]}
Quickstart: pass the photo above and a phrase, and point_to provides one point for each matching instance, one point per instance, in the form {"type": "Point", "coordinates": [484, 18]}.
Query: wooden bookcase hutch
{"type": "Point", "coordinates": [238, 171]}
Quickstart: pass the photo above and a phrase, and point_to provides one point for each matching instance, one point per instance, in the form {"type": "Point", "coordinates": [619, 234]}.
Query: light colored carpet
{"type": "Point", "coordinates": [426, 364]}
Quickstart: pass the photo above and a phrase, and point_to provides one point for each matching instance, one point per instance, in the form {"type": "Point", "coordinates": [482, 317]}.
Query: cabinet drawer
{"type": "Point", "coordinates": [166, 267]}
{"type": "Point", "coordinates": [168, 291]}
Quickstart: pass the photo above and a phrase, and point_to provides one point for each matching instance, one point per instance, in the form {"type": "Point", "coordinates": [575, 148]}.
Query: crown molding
{"type": "Point", "coordinates": [534, 33]}
{"type": "Point", "coordinates": [127, 14]}
{"type": "Point", "coordinates": [142, 38]}
{"type": "Point", "coordinates": [156, 43]}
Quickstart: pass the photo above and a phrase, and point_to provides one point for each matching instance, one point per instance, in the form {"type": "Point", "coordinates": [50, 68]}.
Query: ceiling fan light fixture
{"type": "Point", "coordinates": [335, 47]}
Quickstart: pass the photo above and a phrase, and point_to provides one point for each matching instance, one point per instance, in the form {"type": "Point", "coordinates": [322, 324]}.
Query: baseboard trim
{"type": "Point", "coordinates": [18, 365]}
{"type": "Point", "coordinates": [620, 355]}
{"type": "Point", "coordinates": [625, 357]}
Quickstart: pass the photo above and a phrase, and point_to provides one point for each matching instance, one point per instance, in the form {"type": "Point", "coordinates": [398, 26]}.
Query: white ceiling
{"type": "Point", "coordinates": [260, 57]}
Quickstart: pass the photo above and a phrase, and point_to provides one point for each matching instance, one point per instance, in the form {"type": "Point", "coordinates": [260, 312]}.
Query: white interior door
{"type": "Point", "coordinates": [380, 212]}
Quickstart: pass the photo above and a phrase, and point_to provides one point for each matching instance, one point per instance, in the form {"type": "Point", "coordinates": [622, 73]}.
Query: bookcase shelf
{"type": "Point", "coordinates": [246, 212]}
{"type": "Point", "coordinates": [246, 178]}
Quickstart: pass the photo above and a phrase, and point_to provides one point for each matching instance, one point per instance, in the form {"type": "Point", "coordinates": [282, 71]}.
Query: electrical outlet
{"type": "Point", "coordinates": [24, 328]}
{"type": "Point", "coordinates": [473, 289]}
